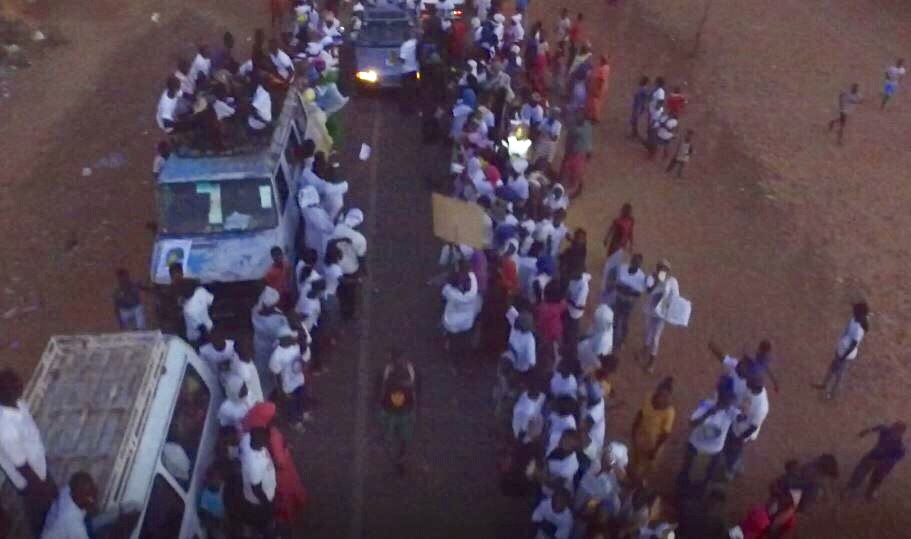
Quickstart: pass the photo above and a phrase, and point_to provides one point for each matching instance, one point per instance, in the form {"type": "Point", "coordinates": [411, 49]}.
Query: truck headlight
{"type": "Point", "coordinates": [367, 76]}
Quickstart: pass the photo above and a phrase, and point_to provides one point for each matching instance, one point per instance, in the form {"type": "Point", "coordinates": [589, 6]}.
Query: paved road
{"type": "Point", "coordinates": [450, 488]}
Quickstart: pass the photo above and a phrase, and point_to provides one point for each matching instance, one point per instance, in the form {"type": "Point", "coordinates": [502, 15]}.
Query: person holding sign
{"type": "Point", "coordinates": [661, 288]}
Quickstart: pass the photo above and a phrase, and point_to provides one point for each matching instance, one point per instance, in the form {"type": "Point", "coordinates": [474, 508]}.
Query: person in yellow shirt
{"type": "Point", "coordinates": [651, 429]}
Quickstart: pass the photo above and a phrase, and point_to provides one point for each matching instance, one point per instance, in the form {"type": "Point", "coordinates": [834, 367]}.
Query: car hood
{"type": "Point", "coordinates": [375, 58]}
{"type": "Point", "coordinates": [213, 258]}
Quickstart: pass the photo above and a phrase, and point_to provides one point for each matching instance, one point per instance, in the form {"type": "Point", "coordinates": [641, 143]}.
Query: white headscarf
{"type": "Point", "coordinates": [354, 217]}
{"type": "Point", "coordinates": [269, 297]}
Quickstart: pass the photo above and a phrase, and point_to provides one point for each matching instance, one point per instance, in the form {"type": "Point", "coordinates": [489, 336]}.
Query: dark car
{"type": "Point", "coordinates": [376, 47]}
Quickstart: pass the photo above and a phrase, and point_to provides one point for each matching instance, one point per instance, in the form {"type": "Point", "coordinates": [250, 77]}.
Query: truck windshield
{"type": "Point", "coordinates": [384, 33]}
{"type": "Point", "coordinates": [208, 207]}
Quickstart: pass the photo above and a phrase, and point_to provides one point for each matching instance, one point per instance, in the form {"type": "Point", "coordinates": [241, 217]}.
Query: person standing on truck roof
{"type": "Point", "coordinates": [127, 303]}
{"type": "Point", "coordinates": [22, 456]}
{"type": "Point", "coordinates": [268, 320]}
{"type": "Point", "coordinates": [78, 500]}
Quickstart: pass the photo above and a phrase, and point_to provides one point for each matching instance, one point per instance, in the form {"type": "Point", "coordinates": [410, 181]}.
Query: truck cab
{"type": "Point", "coordinates": [137, 411]}
{"type": "Point", "coordinates": [220, 213]}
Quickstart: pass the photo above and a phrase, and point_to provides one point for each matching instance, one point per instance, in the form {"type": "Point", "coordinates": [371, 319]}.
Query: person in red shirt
{"type": "Point", "coordinates": [549, 315]}
{"type": "Point", "coordinates": [620, 234]}
{"type": "Point", "coordinates": [457, 33]}
{"type": "Point", "coordinates": [280, 276]}
{"type": "Point", "coordinates": [675, 102]}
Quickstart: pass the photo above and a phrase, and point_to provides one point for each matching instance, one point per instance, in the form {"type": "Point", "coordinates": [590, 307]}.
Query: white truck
{"type": "Point", "coordinates": [138, 412]}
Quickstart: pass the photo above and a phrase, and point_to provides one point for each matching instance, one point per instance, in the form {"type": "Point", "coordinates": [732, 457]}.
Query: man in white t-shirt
{"type": "Point", "coordinates": [287, 363]}
{"type": "Point", "coordinates": [710, 425]}
{"type": "Point", "coordinates": [623, 286]}
{"type": "Point", "coordinates": [280, 60]}
{"type": "Point", "coordinates": [408, 56]}
{"type": "Point", "coordinates": [553, 518]}
{"type": "Point", "coordinates": [662, 288]}
{"type": "Point", "coordinates": [260, 109]}
{"type": "Point", "coordinates": [846, 349]}
{"type": "Point", "coordinates": [894, 75]}
{"type": "Point", "coordinates": [754, 408]}
{"type": "Point", "coordinates": [201, 66]}
{"type": "Point", "coordinates": [259, 481]}
{"type": "Point", "coordinates": [22, 457]}
{"type": "Point", "coordinates": [166, 115]}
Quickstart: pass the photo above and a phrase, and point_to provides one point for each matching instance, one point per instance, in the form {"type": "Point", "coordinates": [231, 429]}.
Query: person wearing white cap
{"type": "Point", "coordinates": [353, 247]}
{"type": "Point", "coordinates": [287, 364]}
{"type": "Point", "coordinates": [318, 225]}
{"type": "Point", "coordinates": [267, 321]}
{"type": "Point", "coordinates": [545, 146]}
{"type": "Point", "coordinates": [661, 288]}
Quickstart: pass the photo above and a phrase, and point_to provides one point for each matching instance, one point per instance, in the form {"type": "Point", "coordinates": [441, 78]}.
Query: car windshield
{"type": "Point", "coordinates": [384, 33]}
{"type": "Point", "coordinates": [209, 207]}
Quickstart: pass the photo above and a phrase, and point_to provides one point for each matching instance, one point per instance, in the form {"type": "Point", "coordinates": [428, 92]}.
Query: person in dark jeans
{"type": "Point", "coordinates": [879, 461]}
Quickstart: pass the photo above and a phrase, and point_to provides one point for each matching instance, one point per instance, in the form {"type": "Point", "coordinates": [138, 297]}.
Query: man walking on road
{"type": "Point", "coordinates": [894, 75]}
{"type": "Point", "coordinates": [398, 404]}
{"type": "Point", "coordinates": [847, 100]}
{"type": "Point", "coordinates": [879, 461]}
{"type": "Point", "coordinates": [846, 350]}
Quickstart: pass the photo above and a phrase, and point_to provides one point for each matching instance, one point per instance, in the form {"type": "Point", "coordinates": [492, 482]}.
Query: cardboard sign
{"type": "Point", "coordinates": [457, 221]}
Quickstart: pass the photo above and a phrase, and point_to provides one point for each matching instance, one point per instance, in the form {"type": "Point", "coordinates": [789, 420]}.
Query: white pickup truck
{"type": "Point", "coordinates": [138, 412]}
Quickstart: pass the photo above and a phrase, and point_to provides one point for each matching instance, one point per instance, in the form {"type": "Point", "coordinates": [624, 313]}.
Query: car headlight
{"type": "Point", "coordinates": [367, 76]}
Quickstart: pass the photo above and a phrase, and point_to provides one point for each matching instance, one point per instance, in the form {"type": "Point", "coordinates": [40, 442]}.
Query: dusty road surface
{"type": "Point", "coordinates": [772, 233]}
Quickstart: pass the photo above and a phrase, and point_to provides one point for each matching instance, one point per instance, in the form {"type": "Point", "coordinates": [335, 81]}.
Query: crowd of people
{"type": "Point", "coordinates": [506, 99]}
{"type": "Point", "coordinates": [519, 295]}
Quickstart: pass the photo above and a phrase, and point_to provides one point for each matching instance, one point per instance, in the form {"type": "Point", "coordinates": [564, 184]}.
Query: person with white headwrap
{"type": "Point", "coordinates": [318, 226]}
{"type": "Point", "coordinates": [600, 342]}
{"type": "Point", "coordinates": [599, 490]}
{"type": "Point", "coordinates": [268, 321]}
{"type": "Point", "coordinates": [196, 314]}
{"type": "Point", "coordinates": [332, 194]}
{"type": "Point", "coordinates": [462, 305]}
{"type": "Point", "coordinates": [353, 247]}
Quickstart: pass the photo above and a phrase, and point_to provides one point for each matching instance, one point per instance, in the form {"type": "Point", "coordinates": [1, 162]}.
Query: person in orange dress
{"type": "Point", "coordinates": [597, 90]}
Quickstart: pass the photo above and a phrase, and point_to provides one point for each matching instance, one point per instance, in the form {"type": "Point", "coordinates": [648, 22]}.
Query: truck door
{"type": "Point", "coordinates": [287, 208]}
{"type": "Point", "coordinates": [187, 454]}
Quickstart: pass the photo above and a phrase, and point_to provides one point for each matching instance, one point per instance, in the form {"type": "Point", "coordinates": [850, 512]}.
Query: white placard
{"type": "Point", "coordinates": [679, 310]}
{"type": "Point", "coordinates": [365, 152]}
